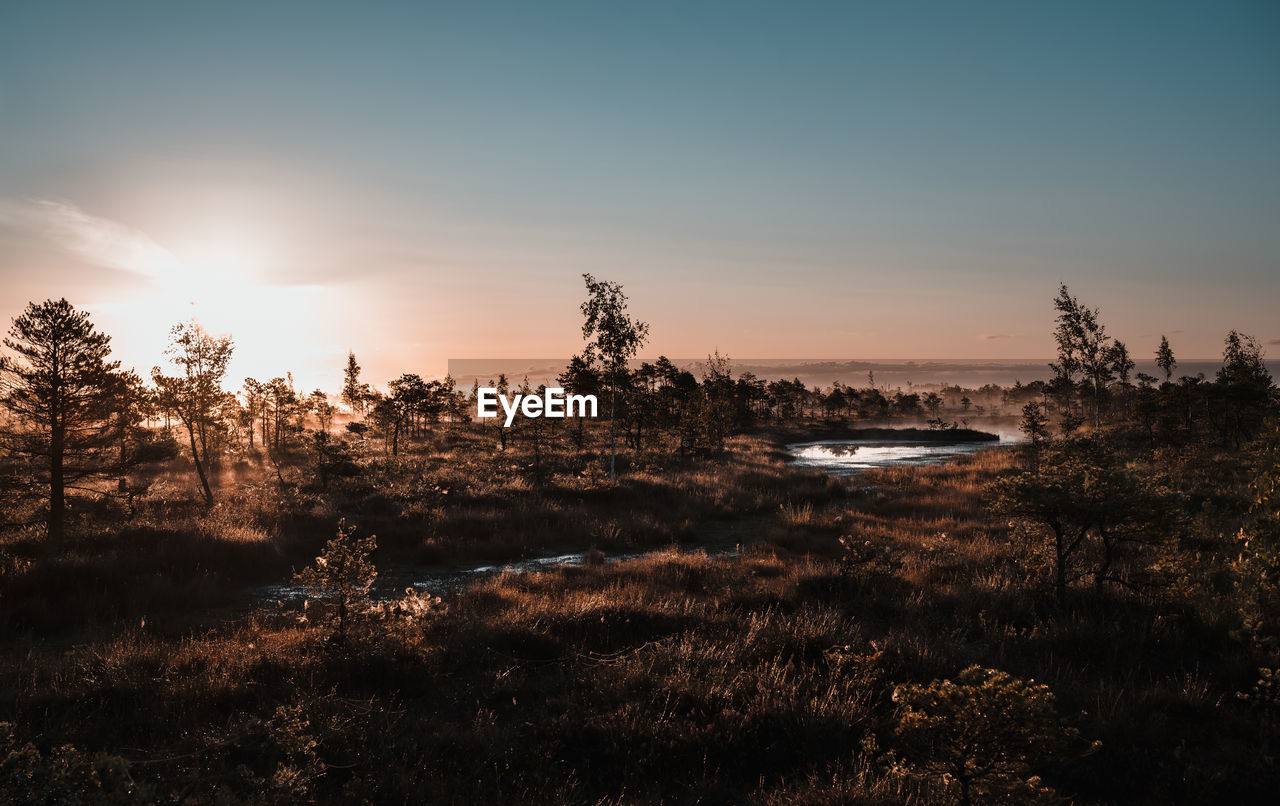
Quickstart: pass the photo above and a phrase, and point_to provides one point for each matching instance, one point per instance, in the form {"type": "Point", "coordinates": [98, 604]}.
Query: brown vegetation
{"type": "Point", "coordinates": [765, 677]}
{"type": "Point", "coordinates": [1091, 617]}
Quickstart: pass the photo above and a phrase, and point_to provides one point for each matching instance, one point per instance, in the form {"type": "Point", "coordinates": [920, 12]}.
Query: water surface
{"type": "Point", "coordinates": [849, 457]}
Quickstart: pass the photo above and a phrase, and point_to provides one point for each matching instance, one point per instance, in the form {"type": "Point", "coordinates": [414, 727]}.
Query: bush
{"type": "Point", "coordinates": [981, 733]}
{"type": "Point", "coordinates": [63, 776]}
{"type": "Point", "coordinates": [344, 573]}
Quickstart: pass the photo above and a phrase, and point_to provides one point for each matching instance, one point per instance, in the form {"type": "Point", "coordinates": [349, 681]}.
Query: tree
{"type": "Point", "coordinates": [134, 443]}
{"type": "Point", "coordinates": [580, 377]}
{"type": "Point", "coordinates": [453, 400]}
{"type": "Point", "coordinates": [906, 404]}
{"type": "Point", "coordinates": [613, 338]}
{"type": "Point", "coordinates": [984, 730]}
{"type": "Point", "coordinates": [410, 397]}
{"type": "Point", "coordinates": [1094, 507]}
{"type": "Point", "coordinates": [359, 429]}
{"type": "Point", "coordinates": [1035, 425]}
{"type": "Point", "coordinates": [1122, 365]}
{"type": "Point", "coordinates": [332, 456]}
{"type": "Point", "coordinates": [1165, 359]}
{"type": "Point", "coordinates": [716, 401]}
{"type": "Point", "coordinates": [535, 428]}
{"type": "Point", "coordinates": [1083, 348]}
{"type": "Point", "coordinates": [318, 403]}
{"type": "Point", "coordinates": [354, 393]}
{"type": "Point", "coordinates": [503, 386]}
{"type": "Point", "coordinates": [388, 416]}
{"type": "Point", "coordinates": [933, 403]}
{"type": "Point", "coordinates": [195, 393]}
{"type": "Point", "coordinates": [60, 389]}
{"type": "Point", "coordinates": [284, 409]}
{"type": "Point", "coordinates": [1121, 362]}
{"type": "Point", "coordinates": [1243, 389]}
{"type": "Point", "coordinates": [255, 407]}
{"type": "Point", "coordinates": [343, 573]}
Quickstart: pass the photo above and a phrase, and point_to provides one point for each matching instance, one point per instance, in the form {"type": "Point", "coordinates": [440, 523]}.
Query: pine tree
{"type": "Point", "coordinates": [343, 573]}
{"type": "Point", "coordinates": [1165, 359]}
{"type": "Point", "coordinates": [1035, 425]}
{"type": "Point", "coordinates": [60, 391]}
{"type": "Point", "coordinates": [983, 731]}
{"type": "Point", "coordinates": [353, 394]}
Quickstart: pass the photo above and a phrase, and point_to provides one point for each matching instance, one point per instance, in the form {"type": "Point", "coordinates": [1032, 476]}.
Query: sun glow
{"type": "Point", "coordinates": [225, 283]}
{"type": "Point", "coordinates": [218, 278]}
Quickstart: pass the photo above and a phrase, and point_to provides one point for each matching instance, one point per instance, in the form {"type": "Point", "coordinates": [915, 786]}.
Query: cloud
{"type": "Point", "coordinates": [100, 241]}
{"type": "Point", "coordinates": [994, 336]}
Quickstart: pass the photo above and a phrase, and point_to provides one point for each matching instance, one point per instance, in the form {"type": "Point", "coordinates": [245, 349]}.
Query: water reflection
{"type": "Point", "coordinates": [843, 457]}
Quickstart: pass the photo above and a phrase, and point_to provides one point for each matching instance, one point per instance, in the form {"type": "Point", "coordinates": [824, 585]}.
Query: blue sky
{"type": "Point", "coordinates": [803, 179]}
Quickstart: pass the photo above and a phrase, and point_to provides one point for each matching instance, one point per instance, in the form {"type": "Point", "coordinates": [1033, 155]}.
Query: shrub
{"type": "Point", "coordinates": [344, 573]}
{"type": "Point", "coordinates": [981, 732]}
{"type": "Point", "coordinates": [64, 775]}
{"type": "Point", "coordinates": [1257, 569]}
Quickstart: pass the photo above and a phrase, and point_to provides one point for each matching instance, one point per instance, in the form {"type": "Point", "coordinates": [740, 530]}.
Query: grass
{"type": "Point", "coordinates": [761, 677]}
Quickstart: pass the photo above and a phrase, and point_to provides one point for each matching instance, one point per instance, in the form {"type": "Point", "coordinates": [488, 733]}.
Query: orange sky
{"type": "Point", "coordinates": [413, 312]}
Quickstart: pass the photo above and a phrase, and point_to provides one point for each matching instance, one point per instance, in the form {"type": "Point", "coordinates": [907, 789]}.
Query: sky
{"type": "Point", "coordinates": [421, 181]}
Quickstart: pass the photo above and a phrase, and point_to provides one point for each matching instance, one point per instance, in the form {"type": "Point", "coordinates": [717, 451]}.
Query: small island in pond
{"type": "Point", "coordinates": [798, 434]}
{"type": "Point", "coordinates": [930, 435]}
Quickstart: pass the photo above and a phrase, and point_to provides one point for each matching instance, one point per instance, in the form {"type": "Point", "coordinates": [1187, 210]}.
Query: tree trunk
{"type": "Point", "coordinates": [57, 492]}
{"type": "Point", "coordinates": [195, 456]}
{"type": "Point", "coordinates": [537, 451]}
{"type": "Point", "coordinates": [1097, 406]}
{"type": "Point", "coordinates": [1108, 556]}
{"type": "Point", "coordinates": [613, 452]}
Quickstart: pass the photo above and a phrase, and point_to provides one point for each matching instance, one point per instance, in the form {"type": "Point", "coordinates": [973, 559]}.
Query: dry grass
{"type": "Point", "coordinates": [762, 677]}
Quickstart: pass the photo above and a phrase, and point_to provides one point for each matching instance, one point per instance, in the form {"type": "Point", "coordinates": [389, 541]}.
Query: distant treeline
{"type": "Point", "coordinates": [74, 420]}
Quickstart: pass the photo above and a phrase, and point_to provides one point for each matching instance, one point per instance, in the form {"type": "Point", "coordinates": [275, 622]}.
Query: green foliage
{"type": "Point", "coordinates": [1092, 505]}
{"type": "Point", "coordinates": [984, 732]}
{"type": "Point", "coordinates": [343, 574]}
